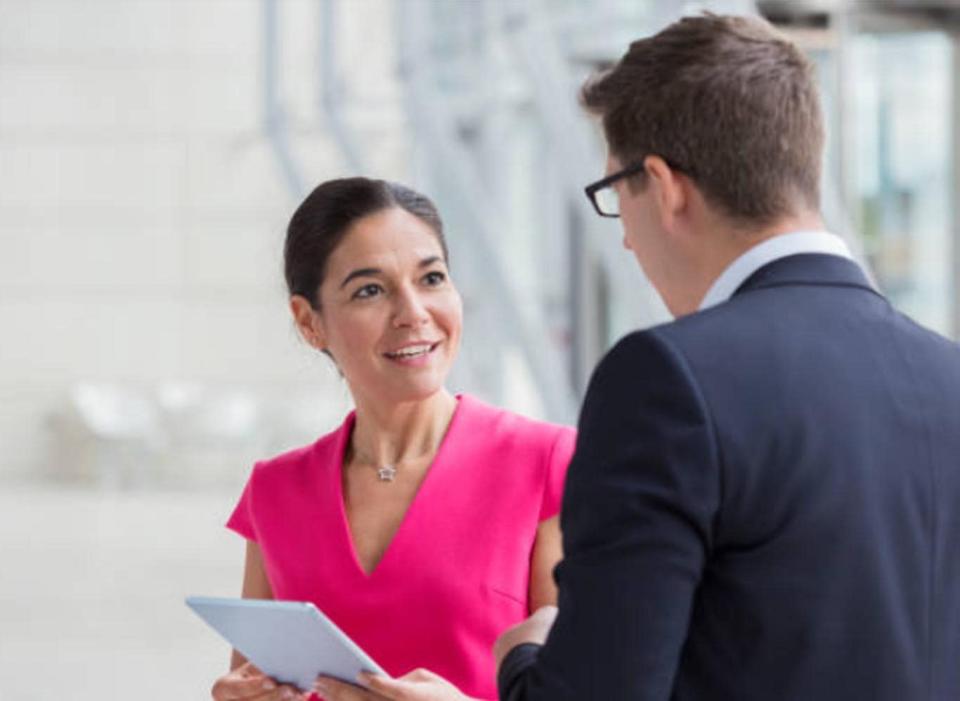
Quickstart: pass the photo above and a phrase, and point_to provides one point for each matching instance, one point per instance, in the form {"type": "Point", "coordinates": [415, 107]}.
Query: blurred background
{"type": "Point", "coordinates": [151, 153]}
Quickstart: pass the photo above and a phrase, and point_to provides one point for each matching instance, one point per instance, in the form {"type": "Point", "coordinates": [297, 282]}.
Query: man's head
{"type": "Point", "coordinates": [730, 109]}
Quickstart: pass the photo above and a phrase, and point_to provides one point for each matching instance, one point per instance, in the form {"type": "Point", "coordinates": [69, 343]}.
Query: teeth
{"type": "Point", "coordinates": [411, 352]}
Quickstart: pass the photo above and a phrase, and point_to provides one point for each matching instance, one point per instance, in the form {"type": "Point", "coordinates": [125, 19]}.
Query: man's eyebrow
{"type": "Point", "coordinates": [360, 272]}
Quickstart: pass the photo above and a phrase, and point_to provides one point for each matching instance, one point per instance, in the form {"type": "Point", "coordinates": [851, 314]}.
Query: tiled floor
{"type": "Point", "coordinates": [91, 593]}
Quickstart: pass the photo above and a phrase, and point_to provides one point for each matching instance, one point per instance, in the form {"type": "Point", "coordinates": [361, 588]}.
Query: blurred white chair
{"type": "Point", "coordinates": [213, 433]}
{"type": "Point", "coordinates": [183, 435]}
{"type": "Point", "coordinates": [107, 434]}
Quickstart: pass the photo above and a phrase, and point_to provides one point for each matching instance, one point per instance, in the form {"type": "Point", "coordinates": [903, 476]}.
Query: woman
{"type": "Point", "coordinates": [426, 524]}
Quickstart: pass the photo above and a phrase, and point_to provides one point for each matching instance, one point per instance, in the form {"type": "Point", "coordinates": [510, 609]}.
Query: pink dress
{"type": "Point", "coordinates": [457, 572]}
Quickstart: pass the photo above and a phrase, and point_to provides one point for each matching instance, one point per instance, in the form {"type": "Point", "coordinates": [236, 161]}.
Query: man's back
{"type": "Point", "coordinates": [765, 504]}
{"type": "Point", "coordinates": [836, 549]}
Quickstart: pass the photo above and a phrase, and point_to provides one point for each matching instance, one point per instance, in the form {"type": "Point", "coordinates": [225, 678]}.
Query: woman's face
{"type": "Point", "coordinates": [389, 313]}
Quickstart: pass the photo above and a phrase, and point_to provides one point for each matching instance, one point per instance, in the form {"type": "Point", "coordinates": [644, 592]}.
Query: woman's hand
{"type": "Point", "coordinates": [418, 685]}
{"type": "Point", "coordinates": [247, 683]}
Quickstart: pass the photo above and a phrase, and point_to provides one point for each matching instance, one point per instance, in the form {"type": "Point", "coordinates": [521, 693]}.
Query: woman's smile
{"type": "Point", "coordinates": [414, 354]}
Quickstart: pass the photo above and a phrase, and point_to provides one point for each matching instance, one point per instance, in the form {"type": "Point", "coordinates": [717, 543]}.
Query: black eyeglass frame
{"type": "Point", "coordinates": [592, 189]}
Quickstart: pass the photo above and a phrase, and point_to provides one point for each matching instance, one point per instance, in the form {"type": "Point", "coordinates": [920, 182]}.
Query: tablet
{"type": "Point", "coordinates": [290, 641]}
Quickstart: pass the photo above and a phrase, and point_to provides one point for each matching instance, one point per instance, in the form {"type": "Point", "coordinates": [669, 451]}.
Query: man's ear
{"type": "Point", "coordinates": [668, 188]}
{"type": "Point", "coordinates": [308, 322]}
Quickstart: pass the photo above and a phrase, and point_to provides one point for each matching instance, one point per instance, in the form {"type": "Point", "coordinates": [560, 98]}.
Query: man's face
{"type": "Point", "coordinates": [639, 219]}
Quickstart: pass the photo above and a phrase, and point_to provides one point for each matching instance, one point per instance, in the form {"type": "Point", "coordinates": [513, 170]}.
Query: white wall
{"type": "Point", "coordinates": [141, 209]}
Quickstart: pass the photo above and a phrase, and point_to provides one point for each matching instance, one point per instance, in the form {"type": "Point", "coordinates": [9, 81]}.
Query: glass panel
{"type": "Point", "coordinates": [902, 102]}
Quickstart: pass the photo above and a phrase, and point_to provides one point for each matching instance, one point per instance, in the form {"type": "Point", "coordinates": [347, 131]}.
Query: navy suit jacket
{"type": "Point", "coordinates": [764, 505]}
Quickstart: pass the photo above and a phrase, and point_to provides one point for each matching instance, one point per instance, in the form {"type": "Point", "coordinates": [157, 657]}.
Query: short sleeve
{"type": "Point", "coordinates": [557, 462]}
{"type": "Point", "coordinates": [241, 520]}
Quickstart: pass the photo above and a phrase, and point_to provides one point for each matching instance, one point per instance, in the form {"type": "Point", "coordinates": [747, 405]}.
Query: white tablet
{"type": "Point", "coordinates": [289, 641]}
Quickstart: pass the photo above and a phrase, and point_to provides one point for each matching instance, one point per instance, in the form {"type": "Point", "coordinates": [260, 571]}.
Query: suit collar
{"type": "Point", "coordinates": [767, 251]}
{"type": "Point", "coordinates": [808, 269]}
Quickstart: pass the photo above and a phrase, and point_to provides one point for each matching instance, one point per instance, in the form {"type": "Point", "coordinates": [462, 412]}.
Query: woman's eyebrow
{"type": "Point", "coordinates": [360, 272]}
{"type": "Point", "coordinates": [373, 272]}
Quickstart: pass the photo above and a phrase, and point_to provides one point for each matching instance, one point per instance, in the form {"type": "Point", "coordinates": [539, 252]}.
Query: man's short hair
{"type": "Point", "coordinates": [729, 101]}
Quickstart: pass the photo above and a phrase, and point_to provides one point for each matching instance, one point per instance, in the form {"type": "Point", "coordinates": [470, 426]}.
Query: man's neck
{"type": "Point", "coordinates": [725, 244]}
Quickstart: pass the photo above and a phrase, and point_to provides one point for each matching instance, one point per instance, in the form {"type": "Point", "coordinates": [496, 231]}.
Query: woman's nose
{"type": "Point", "coordinates": [410, 310]}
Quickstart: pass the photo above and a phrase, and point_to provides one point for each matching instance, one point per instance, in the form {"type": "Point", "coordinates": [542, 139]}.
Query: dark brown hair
{"type": "Point", "coordinates": [727, 100]}
{"type": "Point", "coordinates": [323, 219]}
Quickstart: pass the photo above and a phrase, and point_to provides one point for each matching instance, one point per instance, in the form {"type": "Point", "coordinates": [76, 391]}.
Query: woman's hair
{"type": "Point", "coordinates": [323, 219]}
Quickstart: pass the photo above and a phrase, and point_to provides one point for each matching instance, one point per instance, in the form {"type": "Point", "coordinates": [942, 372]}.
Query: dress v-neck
{"type": "Point", "coordinates": [436, 466]}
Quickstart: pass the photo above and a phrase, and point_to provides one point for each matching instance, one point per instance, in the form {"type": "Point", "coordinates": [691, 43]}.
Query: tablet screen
{"type": "Point", "coordinates": [290, 641]}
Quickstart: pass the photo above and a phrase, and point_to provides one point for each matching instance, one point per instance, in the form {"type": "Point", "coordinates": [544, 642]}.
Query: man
{"type": "Point", "coordinates": [764, 504]}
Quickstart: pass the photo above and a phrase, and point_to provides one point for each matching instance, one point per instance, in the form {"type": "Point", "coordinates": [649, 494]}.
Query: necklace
{"type": "Point", "coordinates": [387, 472]}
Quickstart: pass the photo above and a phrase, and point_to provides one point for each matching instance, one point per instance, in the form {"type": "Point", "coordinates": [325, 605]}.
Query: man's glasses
{"type": "Point", "coordinates": [605, 199]}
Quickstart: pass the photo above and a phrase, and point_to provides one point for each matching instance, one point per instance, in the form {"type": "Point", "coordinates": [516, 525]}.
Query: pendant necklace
{"type": "Point", "coordinates": [386, 473]}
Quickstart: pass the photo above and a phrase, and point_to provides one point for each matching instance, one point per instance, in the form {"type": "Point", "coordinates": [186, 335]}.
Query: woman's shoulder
{"type": "Point", "coordinates": [493, 424]}
{"type": "Point", "coordinates": [525, 458]}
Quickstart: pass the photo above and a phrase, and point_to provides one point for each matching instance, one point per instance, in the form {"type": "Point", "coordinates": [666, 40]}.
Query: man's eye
{"type": "Point", "coordinates": [434, 278]}
{"type": "Point", "coordinates": [367, 291]}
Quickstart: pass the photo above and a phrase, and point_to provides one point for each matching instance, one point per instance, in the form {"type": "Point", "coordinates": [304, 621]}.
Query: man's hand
{"type": "Point", "coordinates": [533, 630]}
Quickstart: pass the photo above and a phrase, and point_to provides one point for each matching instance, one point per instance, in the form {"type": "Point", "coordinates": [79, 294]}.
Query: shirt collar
{"type": "Point", "coordinates": [767, 251]}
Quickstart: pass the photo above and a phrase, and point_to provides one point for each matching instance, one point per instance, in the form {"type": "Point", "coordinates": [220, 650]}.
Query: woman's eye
{"type": "Point", "coordinates": [434, 278]}
{"type": "Point", "coordinates": [367, 291]}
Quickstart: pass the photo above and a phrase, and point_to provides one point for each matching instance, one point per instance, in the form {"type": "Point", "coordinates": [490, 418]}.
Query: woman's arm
{"type": "Point", "coordinates": [547, 552]}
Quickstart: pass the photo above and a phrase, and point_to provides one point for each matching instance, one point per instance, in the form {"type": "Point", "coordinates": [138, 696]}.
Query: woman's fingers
{"type": "Point", "coordinates": [234, 686]}
{"type": "Point", "coordinates": [335, 690]}
{"type": "Point", "coordinates": [284, 693]}
{"type": "Point", "coordinates": [247, 683]}
{"type": "Point", "coordinates": [278, 693]}
{"type": "Point", "coordinates": [419, 675]}
{"type": "Point", "coordinates": [393, 689]}
{"type": "Point", "coordinates": [418, 685]}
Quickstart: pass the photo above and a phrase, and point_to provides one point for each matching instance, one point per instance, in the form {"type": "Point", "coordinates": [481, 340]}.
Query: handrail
{"type": "Point", "coordinates": [274, 119]}
{"type": "Point", "coordinates": [331, 96]}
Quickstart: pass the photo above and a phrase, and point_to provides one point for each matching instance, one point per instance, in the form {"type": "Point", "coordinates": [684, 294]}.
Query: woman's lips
{"type": "Point", "coordinates": [413, 353]}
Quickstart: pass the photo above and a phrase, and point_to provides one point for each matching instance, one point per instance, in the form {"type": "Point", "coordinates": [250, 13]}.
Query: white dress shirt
{"type": "Point", "coordinates": [772, 249]}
